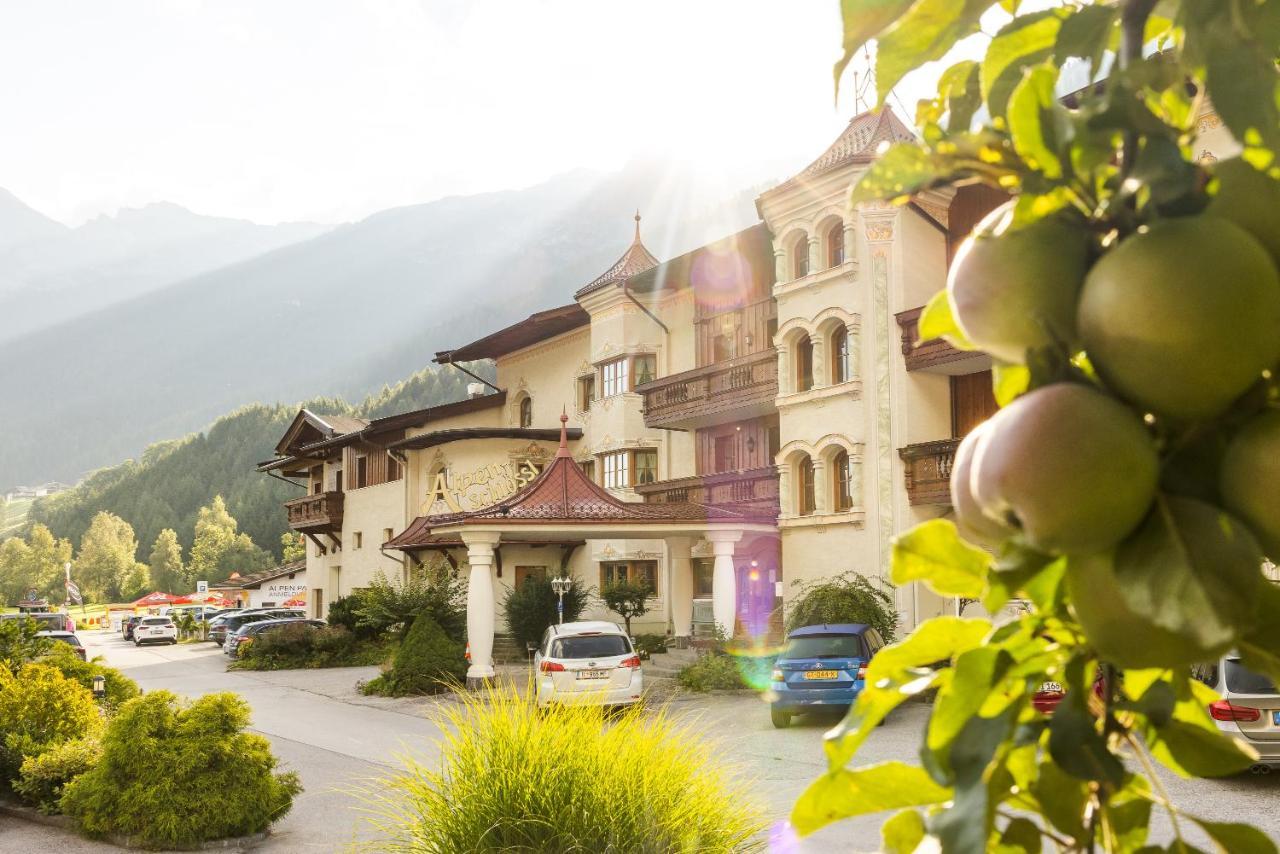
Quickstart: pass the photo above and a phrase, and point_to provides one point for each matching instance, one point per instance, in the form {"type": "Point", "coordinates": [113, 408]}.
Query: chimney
{"type": "Point", "coordinates": [475, 389]}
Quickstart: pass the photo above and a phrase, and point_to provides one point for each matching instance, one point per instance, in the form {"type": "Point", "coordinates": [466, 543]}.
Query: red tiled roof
{"type": "Point", "coordinates": [562, 493]}
{"type": "Point", "coordinates": [634, 261]}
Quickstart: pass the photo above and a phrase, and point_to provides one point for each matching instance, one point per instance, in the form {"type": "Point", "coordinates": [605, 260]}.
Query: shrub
{"type": "Point", "coordinates": [845, 598]}
{"type": "Point", "coordinates": [20, 644]}
{"type": "Point", "coordinates": [563, 779]}
{"type": "Point", "coordinates": [344, 612]}
{"type": "Point", "coordinates": [119, 687]}
{"type": "Point", "coordinates": [42, 778]}
{"type": "Point", "coordinates": [175, 775]}
{"type": "Point", "coordinates": [428, 662]}
{"type": "Point", "coordinates": [302, 646]}
{"type": "Point", "coordinates": [40, 709]}
{"type": "Point", "coordinates": [711, 673]}
{"type": "Point", "coordinates": [531, 607]}
{"type": "Point", "coordinates": [387, 605]}
{"type": "Point", "coordinates": [648, 645]}
{"type": "Point", "coordinates": [627, 599]}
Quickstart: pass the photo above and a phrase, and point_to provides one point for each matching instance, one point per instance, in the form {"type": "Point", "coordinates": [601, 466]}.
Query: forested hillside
{"type": "Point", "coordinates": [171, 481]}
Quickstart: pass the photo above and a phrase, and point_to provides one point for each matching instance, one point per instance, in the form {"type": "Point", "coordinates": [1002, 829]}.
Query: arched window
{"type": "Point", "coordinates": [842, 475]}
{"type": "Point", "coordinates": [806, 487]}
{"type": "Point", "coordinates": [526, 412]}
{"type": "Point", "coordinates": [835, 245]}
{"type": "Point", "coordinates": [841, 356]}
{"type": "Point", "coordinates": [804, 364]}
{"type": "Point", "coordinates": [800, 258]}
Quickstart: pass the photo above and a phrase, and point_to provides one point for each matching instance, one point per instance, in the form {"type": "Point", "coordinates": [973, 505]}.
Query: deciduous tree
{"type": "Point", "coordinates": [165, 564]}
{"type": "Point", "coordinates": [106, 566]}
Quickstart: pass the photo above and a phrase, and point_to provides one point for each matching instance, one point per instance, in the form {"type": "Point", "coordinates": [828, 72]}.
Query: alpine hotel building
{"type": "Point", "coordinates": [721, 425]}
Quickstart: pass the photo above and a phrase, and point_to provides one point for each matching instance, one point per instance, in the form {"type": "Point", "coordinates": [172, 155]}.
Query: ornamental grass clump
{"type": "Point", "coordinates": [512, 777]}
{"type": "Point", "coordinates": [175, 774]}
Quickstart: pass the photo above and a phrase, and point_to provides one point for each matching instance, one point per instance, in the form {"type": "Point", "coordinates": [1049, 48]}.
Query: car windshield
{"type": "Point", "coordinates": [1242, 680]}
{"type": "Point", "coordinates": [824, 646]}
{"type": "Point", "coordinates": [590, 646]}
{"type": "Point", "coordinates": [156, 621]}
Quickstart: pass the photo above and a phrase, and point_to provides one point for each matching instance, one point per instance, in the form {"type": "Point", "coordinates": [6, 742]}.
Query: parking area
{"type": "Point", "coordinates": [337, 740]}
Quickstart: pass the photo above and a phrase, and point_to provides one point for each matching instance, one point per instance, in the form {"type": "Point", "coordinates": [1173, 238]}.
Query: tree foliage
{"type": "Point", "coordinates": [387, 605]}
{"type": "Point", "coordinates": [106, 566]}
{"type": "Point", "coordinates": [168, 573]}
{"type": "Point", "coordinates": [427, 662]}
{"type": "Point", "coordinates": [40, 709]}
{"type": "Point", "coordinates": [1170, 574]}
{"type": "Point", "coordinates": [844, 598]}
{"type": "Point", "coordinates": [627, 599]}
{"type": "Point", "coordinates": [35, 563]}
{"type": "Point", "coordinates": [531, 608]}
{"type": "Point", "coordinates": [293, 546]}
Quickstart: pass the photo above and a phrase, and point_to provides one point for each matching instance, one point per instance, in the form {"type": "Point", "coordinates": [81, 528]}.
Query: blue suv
{"type": "Point", "coordinates": [821, 666]}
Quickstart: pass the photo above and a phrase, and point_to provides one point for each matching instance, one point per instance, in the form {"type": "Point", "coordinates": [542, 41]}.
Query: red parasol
{"type": "Point", "coordinates": [158, 598]}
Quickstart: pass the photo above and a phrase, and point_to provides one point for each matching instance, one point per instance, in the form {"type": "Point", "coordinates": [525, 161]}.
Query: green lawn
{"type": "Point", "coordinates": [15, 516]}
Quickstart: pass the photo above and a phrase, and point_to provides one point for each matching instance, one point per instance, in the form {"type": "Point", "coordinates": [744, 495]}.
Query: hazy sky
{"type": "Point", "coordinates": [330, 110]}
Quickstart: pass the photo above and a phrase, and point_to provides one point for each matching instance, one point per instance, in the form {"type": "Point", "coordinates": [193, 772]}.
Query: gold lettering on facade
{"type": "Point", "coordinates": [478, 489]}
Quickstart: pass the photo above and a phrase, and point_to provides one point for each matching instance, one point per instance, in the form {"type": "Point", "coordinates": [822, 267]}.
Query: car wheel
{"type": "Point", "coordinates": [781, 717]}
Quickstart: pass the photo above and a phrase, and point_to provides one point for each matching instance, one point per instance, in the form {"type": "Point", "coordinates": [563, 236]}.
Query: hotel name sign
{"type": "Point", "coordinates": [480, 488]}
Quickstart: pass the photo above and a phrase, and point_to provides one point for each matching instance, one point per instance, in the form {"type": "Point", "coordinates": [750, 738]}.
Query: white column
{"type": "Point", "coordinates": [724, 582]}
{"type": "Point", "coordinates": [815, 254]}
{"type": "Point", "coordinates": [821, 489]}
{"type": "Point", "coordinates": [785, 384]}
{"type": "Point", "coordinates": [480, 605]}
{"type": "Point", "coordinates": [681, 595]}
{"type": "Point", "coordinates": [850, 240]}
{"type": "Point", "coordinates": [780, 272]}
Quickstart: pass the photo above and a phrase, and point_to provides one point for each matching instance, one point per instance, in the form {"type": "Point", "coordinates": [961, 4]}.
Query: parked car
{"type": "Point", "coordinates": [155, 630]}
{"type": "Point", "coordinates": [221, 628]}
{"type": "Point", "coordinates": [590, 663]}
{"type": "Point", "coordinates": [1051, 693]}
{"type": "Point", "coordinates": [68, 638]}
{"type": "Point", "coordinates": [128, 624]}
{"type": "Point", "coordinates": [242, 637]}
{"type": "Point", "coordinates": [1249, 708]}
{"type": "Point", "coordinates": [821, 666]}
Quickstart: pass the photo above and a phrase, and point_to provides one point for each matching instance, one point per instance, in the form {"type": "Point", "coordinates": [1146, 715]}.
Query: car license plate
{"type": "Point", "coordinates": [1051, 688]}
{"type": "Point", "coordinates": [593, 674]}
{"type": "Point", "coordinates": [1275, 718]}
{"type": "Point", "coordinates": [821, 674]}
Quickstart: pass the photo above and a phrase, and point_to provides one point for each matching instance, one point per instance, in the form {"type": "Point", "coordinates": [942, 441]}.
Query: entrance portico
{"type": "Point", "coordinates": [562, 504]}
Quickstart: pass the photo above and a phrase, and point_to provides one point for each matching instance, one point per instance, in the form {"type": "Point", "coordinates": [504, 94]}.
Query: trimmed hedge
{"type": "Point", "coordinates": [43, 778]}
{"type": "Point", "coordinates": [302, 647]}
{"type": "Point", "coordinates": [174, 775]}
{"type": "Point", "coordinates": [711, 673]}
{"type": "Point", "coordinates": [428, 662]}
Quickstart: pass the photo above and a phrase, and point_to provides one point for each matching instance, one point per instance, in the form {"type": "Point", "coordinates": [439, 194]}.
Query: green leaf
{"type": "Point", "coordinates": [863, 20]}
{"type": "Point", "coordinates": [923, 34]}
{"type": "Point", "coordinates": [1062, 799]}
{"type": "Point", "coordinates": [1074, 740]}
{"type": "Point", "coordinates": [904, 169]}
{"type": "Point", "coordinates": [965, 825]}
{"type": "Point", "coordinates": [934, 552]}
{"type": "Point", "coordinates": [937, 321]}
{"type": "Point", "coordinates": [1237, 838]}
{"type": "Point", "coordinates": [1194, 751]}
{"type": "Point", "coordinates": [1009, 381]}
{"type": "Point", "coordinates": [1023, 42]}
{"type": "Point", "coordinates": [1260, 647]}
{"type": "Point", "coordinates": [896, 674]}
{"type": "Point", "coordinates": [958, 89]}
{"type": "Point", "coordinates": [1086, 34]}
{"type": "Point", "coordinates": [975, 674]}
{"type": "Point", "coordinates": [1038, 122]}
{"type": "Point", "coordinates": [1129, 819]}
{"type": "Point", "coordinates": [845, 793]}
{"type": "Point", "coordinates": [1193, 570]}
{"type": "Point", "coordinates": [903, 833]}
{"type": "Point", "coordinates": [1020, 836]}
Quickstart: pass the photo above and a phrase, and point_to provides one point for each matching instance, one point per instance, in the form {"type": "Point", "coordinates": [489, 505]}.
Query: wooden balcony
{"type": "Point", "coordinates": [321, 513]}
{"type": "Point", "coordinates": [928, 471]}
{"type": "Point", "coordinates": [755, 490]}
{"type": "Point", "coordinates": [725, 391]}
{"type": "Point", "coordinates": [935, 355]}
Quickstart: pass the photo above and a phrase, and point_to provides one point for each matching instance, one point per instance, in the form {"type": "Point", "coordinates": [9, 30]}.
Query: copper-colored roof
{"type": "Point", "coordinates": [858, 143]}
{"type": "Point", "coordinates": [562, 493]}
{"type": "Point", "coordinates": [455, 434]}
{"type": "Point", "coordinates": [634, 261]}
{"type": "Point", "coordinates": [535, 328]}
{"type": "Point", "coordinates": [255, 578]}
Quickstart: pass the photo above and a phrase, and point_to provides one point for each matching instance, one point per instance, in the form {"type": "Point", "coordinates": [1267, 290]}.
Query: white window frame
{"type": "Point", "coordinates": [615, 377]}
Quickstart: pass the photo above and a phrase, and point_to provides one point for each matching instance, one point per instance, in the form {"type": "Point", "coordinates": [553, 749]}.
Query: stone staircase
{"type": "Point", "coordinates": [667, 664]}
{"type": "Point", "coordinates": [507, 651]}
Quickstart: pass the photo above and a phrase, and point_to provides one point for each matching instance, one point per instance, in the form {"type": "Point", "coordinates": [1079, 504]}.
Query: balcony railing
{"type": "Point", "coordinates": [935, 354]}
{"type": "Point", "coordinates": [740, 388]}
{"type": "Point", "coordinates": [928, 471]}
{"type": "Point", "coordinates": [321, 512]}
{"type": "Point", "coordinates": [754, 489]}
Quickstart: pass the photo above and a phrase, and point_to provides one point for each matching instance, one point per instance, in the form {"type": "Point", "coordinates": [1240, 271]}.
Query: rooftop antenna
{"type": "Point", "coordinates": [860, 86]}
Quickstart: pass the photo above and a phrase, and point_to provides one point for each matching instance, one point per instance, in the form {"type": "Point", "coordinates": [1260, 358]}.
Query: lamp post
{"type": "Point", "coordinates": [561, 586]}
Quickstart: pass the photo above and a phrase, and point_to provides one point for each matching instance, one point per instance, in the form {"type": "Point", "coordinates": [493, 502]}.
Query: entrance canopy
{"type": "Point", "coordinates": [563, 504]}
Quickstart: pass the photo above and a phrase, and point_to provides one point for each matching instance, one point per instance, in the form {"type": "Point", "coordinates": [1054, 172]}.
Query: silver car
{"type": "Point", "coordinates": [1249, 708]}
